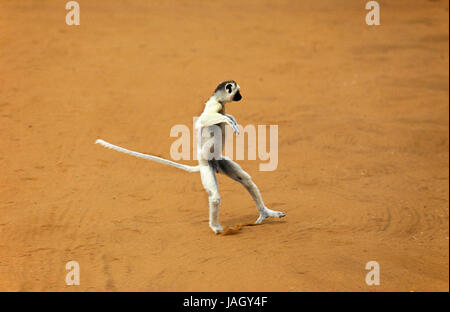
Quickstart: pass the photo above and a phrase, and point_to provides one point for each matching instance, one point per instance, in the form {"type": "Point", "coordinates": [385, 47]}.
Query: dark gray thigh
{"type": "Point", "coordinates": [232, 170]}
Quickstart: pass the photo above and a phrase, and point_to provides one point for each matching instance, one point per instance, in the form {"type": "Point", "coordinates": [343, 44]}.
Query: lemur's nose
{"type": "Point", "coordinates": [237, 96]}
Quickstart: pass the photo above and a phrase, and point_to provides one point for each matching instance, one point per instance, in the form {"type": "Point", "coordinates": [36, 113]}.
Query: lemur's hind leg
{"type": "Point", "coordinates": [235, 172]}
{"type": "Point", "coordinates": [209, 181]}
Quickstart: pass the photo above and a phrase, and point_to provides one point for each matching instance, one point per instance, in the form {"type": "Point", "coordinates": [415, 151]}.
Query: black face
{"type": "Point", "coordinates": [237, 96]}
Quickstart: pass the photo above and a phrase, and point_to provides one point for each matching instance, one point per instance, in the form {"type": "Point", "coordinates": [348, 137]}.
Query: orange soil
{"type": "Point", "coordinates": [363, 145]}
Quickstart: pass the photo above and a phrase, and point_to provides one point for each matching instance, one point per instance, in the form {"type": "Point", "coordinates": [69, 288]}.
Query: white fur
{"type": "Point", "coordinates": [150, 157]}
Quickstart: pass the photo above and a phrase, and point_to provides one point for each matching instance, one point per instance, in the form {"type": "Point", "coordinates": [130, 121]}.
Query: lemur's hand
{"type": "Point", "coordinates": [232, 122]}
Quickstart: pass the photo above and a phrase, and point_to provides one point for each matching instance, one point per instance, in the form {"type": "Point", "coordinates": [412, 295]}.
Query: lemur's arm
{"type": "Point", "coordinates": [214, 114]}
{"type": "Point", "coordinates": [209, 119]}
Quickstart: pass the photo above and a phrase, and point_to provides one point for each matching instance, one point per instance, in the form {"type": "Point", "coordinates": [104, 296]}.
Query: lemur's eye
{"type": "Point", "coordinates": [229, 88]}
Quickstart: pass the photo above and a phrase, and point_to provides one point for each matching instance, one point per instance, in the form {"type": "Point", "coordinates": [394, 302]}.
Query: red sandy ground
{"type": "Point", "coordinates": [363, 145]}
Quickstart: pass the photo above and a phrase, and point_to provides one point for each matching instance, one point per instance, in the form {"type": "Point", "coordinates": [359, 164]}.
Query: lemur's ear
{"type": "Point", "coordinates": [229, 88]}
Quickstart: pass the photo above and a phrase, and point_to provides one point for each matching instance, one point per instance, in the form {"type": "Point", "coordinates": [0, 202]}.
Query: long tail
{"type": "Point", "coordinates": [145, 156]}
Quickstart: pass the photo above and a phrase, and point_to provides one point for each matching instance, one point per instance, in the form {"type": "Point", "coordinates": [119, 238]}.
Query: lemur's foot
{"type": "Point", "coordinates": [217, 228]}
{"type": "Point", "coordinates": [268, 213]}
